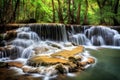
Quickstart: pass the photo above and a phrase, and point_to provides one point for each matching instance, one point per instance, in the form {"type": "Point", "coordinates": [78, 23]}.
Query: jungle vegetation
{"type": "Point", "coordinates": [82, 12]}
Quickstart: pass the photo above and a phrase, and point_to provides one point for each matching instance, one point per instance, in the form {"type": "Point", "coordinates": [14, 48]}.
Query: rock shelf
{"type": "Point", "coordinates": [63, 60]}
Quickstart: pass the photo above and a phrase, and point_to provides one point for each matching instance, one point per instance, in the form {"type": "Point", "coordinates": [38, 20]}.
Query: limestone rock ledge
{"type": "Point", "coordinates": [63, 61]}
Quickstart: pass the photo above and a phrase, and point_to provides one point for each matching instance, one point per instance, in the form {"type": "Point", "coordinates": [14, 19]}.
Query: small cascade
{"type": "Point", "coordinates": [25, 38]}
{"type": "Point", "coordinates": [50, 32]}
{"type": "Point", "coordinates": [27, 53]}
{"type": "Point", "coordinates": [96, 35]}
{"type": "Point", "coordinates": [22, 42]}
{"type": "Point", "coordinates": [3, 53]}
{"type": "Point", "coordinates": [97, 40]}
{"type": "Point", "coordinates": [80, 35]}
{"type": "Point", "coordinates": [28, 35]}
{"type": "Point", "coordinates": [116, 40]}
{"type": "Point", "coordinates": [101, 35]}
{"type": "Point", "coordinates": [80, 39]}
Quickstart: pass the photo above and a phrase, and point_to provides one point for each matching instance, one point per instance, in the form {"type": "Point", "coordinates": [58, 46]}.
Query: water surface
{"type": "Point", "coordinates": [106, 68]}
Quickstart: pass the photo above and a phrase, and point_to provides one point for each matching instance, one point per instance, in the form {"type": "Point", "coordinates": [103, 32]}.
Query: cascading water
{"type": "Point", "coordinates": [80, 39]}
{"type": "Point", "coordinates": [50, 32]}
{"type": "Point", "coordinates": [42, 40]}
{"type": "Point", "coordinates": [96, 35]}
{"type": "Point", "coordinates": [101, 35]}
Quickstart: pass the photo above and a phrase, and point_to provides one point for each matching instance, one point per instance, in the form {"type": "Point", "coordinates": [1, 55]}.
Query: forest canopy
{"type": "Point", "coordinates": [83, 12]}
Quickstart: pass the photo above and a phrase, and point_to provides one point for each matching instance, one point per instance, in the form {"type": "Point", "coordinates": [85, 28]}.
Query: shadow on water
{"type": "Point", "coordinates": [106, 68]}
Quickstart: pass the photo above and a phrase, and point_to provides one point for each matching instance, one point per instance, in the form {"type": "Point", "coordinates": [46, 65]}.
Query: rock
{"type": "Point", "coordinates": [45, 60]}
{"type": "Point", "coordinates": [60, 68]}
{"type": "Point", "coordinates": [68, 44]}
{"type": "Point", "coordinates": [10, 34]}
{"type": "Point", "coordinates": [68, 53]}
{"type": "Point", "coordinates": [72, 59]}
{"type": "Point", "coordinates": [2, 49]}
{"type": "Point", "coordinates": [39, 50]}
{"type": "Point", "coordinates": [78, 57]}
{"type": "Point", "coordinates": [82, 64]}
{"type": "Point", "coordinates": [55, 45]}
{"type": "Point", "coordinates": [15, 64]}
{"type": "Point", "coordinates": [72, 67]}
{"type": "Point", "coordinates": [3, 65]}
{"type": "Point", "coordinates": [28, 69]}
{"type": "Point", "coordinates": [90, 60]}
{"type": "Point", "coordinates": [2, 43]}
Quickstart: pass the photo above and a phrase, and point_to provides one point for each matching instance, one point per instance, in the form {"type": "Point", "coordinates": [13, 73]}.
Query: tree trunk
{"type": "Point", "coordinates": [60, 16]}
{"type": "Point", "coordinates": [115, 11]}
{"type": "Point", "coordinates": [101, 5]}
{"type": "Point", "coordinates": [85, 21]}
{"type": "Point", "coordinates": [78, 13]}
{"type": "Point", "coordinates": [53, 11]}
{"type": "Point", "coordinates": [72, 13]}
{"type": "Point", "coordinates": [13, 18]}
{"type": "Point", "coordinates": [69, 12]}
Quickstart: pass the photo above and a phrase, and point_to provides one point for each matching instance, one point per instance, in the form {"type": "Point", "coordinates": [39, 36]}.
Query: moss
{"type": "Point", "coordinates": [45, 60]}
{"type": "Point", "coordinates": [69, 53]}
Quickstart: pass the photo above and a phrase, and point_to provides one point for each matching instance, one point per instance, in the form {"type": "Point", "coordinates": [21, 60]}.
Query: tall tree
{"type": "Point", "coordinates": [78, 13]}
{"type": "Point", "coordinates": [72, 12]}
{"type": "Point", "coordinates": [85, 21]}
{"type": "Point", "coordinates": [115, 11]}
{"type": "Point", "coordinates": [101, 4]}
{"type": "Point", "coordinates": [60, 15]}
{"type": "Point", "coordinates": [13, 17]}
{"type": "Point", "coordinates": [69, 12]}
{"type": "Point", "coordinates": [53, 6]}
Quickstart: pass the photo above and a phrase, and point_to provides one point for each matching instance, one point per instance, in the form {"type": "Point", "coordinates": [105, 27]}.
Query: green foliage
{"type": "Point", "coordinates": [42, 10]}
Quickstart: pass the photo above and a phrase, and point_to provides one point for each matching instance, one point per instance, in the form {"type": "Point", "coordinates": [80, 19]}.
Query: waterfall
{"type": "Point", "coordinates": [25, 38]}
{"type": "Point", "coordinates": [116, 40]}
{"type": "Point", "coordinates": [32, 34]}
{"type": "Point", "coordinates": [22, 42]}
{"type": "Point", "coordinates": [80, 39]}
{"type": "Point", "coordinates": [80, 35]}
{"type": "Point", "coordinates": [100, 35]}
{"type": "Point", "coordinates": [50, 32]}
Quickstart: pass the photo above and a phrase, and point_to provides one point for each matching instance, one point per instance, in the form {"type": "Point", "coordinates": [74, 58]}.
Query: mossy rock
{"type": "Point", "coordinates": [46, 60]}
{"type": "Point", "coordinates": [69, 53]}
{"type": "Point", "coordinates": [63, 57]}
{"type": "Point", "coordinates": [3, 64]}
{"type": "Point", "coordinates": [10, 35]}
